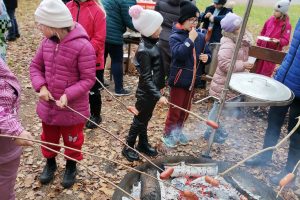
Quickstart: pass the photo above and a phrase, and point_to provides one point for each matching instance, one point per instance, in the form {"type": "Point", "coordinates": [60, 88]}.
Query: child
{"type": "Point", "coordinates": [62, 72]}
{"type": "Point", "coordinates": [5, 25]}
{"type": "Point", "coordinates": [212, 18]}
{"type": "Point", "coordinates": [151, 80]}
{"type": "Point", "coordinates": [92, 17]}
{"type": "Point", "coordinates": [278, 28]}
{"type": "Point", "coordinates": [10, 151]}
{"type": "Point", "coordinates": [187, 47]}
{"type": "Point", "coordinates": [231, 25]}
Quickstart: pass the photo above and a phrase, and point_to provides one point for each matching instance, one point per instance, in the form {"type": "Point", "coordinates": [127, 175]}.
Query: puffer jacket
{"type": "Point", "coordinates": [224, 59]}
{"type": "Point", "coordinates": [67, 68]}
{"type": "Point", "coordinates": [117, 19]}
{"type": "Point", "coordinates": [147, 62]}
{"type": "Point", "coordinates": [217, 30]}
{"type": "Point", "coordinates": [182, 64]}
{"type": "Point", "coordinates": [170, 11]}
{"type": "Point", "coordinates": [289, 71]}
{"type": "Point", "coordinates": [93, 19]}
{"type": "Point", "coordinates": [10, 95]}
{"type": "Point", "coordinates": [276, 28]}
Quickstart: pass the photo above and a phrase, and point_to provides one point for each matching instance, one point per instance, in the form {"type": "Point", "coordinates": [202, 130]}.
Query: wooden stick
{"type": "Point", "coordinates": [89, 170]}
{"type": "Point", "coordinates": [90, 154]}
{"type": "Point", "coordinates": [263, 150]}
{"type": "Point", "coordinates": [115, 137]}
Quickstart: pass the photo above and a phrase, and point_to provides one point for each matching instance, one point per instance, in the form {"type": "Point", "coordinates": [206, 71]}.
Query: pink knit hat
{"type": "Point", "coordinates": [231, 22]}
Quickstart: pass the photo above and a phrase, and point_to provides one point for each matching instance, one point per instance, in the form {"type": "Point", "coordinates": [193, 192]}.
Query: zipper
{"type": "Point", "coordinates": [78, 7]}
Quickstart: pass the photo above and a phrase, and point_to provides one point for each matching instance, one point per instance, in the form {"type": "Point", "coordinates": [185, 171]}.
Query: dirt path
{"type": "Point", "coordinates": [245, 133]}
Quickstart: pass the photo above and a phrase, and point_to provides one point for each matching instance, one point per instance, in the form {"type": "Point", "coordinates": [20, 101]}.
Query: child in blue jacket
{"type": "Point", "coordinates": [189, 56]}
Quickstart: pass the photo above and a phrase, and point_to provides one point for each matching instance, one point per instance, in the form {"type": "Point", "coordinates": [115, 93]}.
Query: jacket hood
{"type": "Point", "coordinates": [77, 32]}
{"type": "Point", "coordinates": [5, 72]}
{"type": "Point", "coordinates": [176, 29]}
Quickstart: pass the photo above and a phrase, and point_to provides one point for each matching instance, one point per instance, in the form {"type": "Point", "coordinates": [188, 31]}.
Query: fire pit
{"type": "Point", "coordinates": [241, 182]}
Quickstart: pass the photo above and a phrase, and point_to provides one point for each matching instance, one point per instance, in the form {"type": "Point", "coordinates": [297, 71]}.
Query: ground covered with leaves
{"type": "Point", "coordinates": [246, 133]}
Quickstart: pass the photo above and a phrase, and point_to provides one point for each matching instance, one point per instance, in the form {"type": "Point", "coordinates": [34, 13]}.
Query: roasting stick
{"type": "Point", "coordinates": [208, 122]}
{"type": "Point", "coordinates": [131, 109]}
{"type": "Point", "coordinates": [107, 131]}
{"type": "Point", "coordinates": [287, 179]}
{"type": "Point", "coordinates": [89, 170]}
{"type": "Point", "coordinates": [90, 154]}
{"type": "Point", "coordinates": [266, 149]}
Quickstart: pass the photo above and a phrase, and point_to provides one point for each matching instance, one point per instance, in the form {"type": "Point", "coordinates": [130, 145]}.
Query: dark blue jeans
{"type": "Point", "coordinates": [276, 119]}
{"type": "Point", "coordinates": [116, 54]}
{"type": "Point", "coordinates": [14, 30]}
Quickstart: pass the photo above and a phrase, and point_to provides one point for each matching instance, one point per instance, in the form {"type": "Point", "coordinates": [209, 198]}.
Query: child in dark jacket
{"type": "Point", "coordinates": [212, 18]}
{"type": "Point", "coordinates": [91, 15]}
{"type": "Point", "coordinates": [189, 55]}
{"type": "Point", "coordinates": [151, 80]}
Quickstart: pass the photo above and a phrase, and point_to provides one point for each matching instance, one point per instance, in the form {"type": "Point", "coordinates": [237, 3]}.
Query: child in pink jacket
{"type": "Point", "coordinates": [62, 72]}
{"type": "Point", "coordinates": [10, 151]}
{"type": "Point", "coordinates": [91, 15]}
{"type": "Point", "coordinates": [231, 25]}
{"type": "Point", "coordinates": [278, 28]}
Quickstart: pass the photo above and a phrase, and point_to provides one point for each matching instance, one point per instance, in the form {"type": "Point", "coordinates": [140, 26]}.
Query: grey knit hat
{"type": "Point", "coordinates": [283, 6]}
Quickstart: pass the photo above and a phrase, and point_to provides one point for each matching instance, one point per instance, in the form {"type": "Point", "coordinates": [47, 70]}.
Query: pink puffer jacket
{"type": "Point", "coordinates": [224, 58]}
{"type": "Point", "coordinates": [67, 68]}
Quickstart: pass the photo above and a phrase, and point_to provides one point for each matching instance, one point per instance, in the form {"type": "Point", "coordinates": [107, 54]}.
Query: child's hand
{"type": "Point", "coordinates": [63, 101]}
{"type": "Point", "coordinates": [208, 15]}
{"type": "Point", "coordinates": [45, 94]}
{"type": "Point", "coordinates": [203, 57]}
{"type": "Point", "coordinates": [27, 135]}
{"type": "Point", "coordinates": [162, 91]}
{"type": "Point", "coordinates": [248, 66]}
{"type": "Point", "coordinates": [193, 34]}
{"type": "Point", "coordinates": [211, 18]}
{"type": "Point", "coordinates": [163, 100]}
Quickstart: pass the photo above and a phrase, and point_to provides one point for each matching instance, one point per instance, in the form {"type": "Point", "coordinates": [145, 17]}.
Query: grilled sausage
{"type": "Point", "coordinates": [286, 180]}
{"type": "Point", "coordinates": [190, 195]}
{"type": "Point", "coordinates": [212, 181]}
{"type": "Point", "coordinates": [167, 173]}
{"type": "Point", "coordinates": [212, 124]}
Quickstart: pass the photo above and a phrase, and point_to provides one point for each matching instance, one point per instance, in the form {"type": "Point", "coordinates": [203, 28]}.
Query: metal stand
{"type": "Point", "coordinates": [230, 71]}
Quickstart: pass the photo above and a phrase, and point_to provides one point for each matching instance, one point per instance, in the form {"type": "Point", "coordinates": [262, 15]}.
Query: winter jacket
{"type": "Point", "coordinates": [182, 64]}
{"type": "Point", "coordinates": [224, 59]}
{"type": "Point", "coordinates": [276, 28]}
{"type": "Point", "coordinates": [170, 11]}
{"type": "Point", "coordinates": [92, 17]}
{"type": "Point", "coordinates": [117, 19]}
{"type": "Point", "coordinates": [147, 62]}
{"type": "Point", "coordinates": [289, 71]}
{"type": "Point", "coordinates": [11, 4]}
{"type": "Point", "coordinates": [10, 95]}
{"type": "Point", "coordinates": [67, 68]}
{"type": "Point", "coordinates": [217, 31]}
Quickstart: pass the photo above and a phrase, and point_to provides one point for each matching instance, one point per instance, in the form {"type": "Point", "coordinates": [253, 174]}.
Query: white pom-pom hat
{"type": "Point", "coordinates": [145, 21]}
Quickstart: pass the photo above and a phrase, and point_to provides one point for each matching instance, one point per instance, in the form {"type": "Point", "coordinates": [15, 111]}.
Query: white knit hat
{"type": "Point", "coordinates": [145, 21]}
{"type": "Point", "coordinates": [282, 6]}
{"type": "Point", "coordinates": [53, 13]}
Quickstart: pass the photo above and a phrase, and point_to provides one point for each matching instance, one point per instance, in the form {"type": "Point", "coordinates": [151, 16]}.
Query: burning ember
{"type": "Point", "coordinates": [199, 179]}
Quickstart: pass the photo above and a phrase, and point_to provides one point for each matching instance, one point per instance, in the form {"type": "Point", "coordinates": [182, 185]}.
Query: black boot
{"type": "Point", "coordinates": [261, 160]}
{"type": "Point", "coordinates": [70, 174]}
{"type": "Point", "coordinates": [144, 146]}
{"type": "Point", "coordinates": [128, 153]}
{"type": "Point", "coordinates": [95, 107]}
{"type": "Point", "coordinates": [48, 172]}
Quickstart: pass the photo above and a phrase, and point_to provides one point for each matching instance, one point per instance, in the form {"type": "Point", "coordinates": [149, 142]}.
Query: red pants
{"type": "Point", "coordinates": [72, 135]}
{"type": "Point", "coordinates": [175, 119]}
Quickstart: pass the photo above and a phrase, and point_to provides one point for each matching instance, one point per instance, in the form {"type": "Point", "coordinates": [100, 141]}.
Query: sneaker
{"type": "Point", "coordinates": [183, 139]}
{"type": "Point", "coordinates": [123, 92]}
{"type": "Point", "coordinates": [91, 125]}
{"type": "Point", "coordinates": [169, 141]}
{"type": "Point", "coordinates": [219, 138]}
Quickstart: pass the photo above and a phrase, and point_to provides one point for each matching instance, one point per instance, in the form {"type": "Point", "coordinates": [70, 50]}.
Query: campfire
{"type": "Point", "coordinates": [199, 177]}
